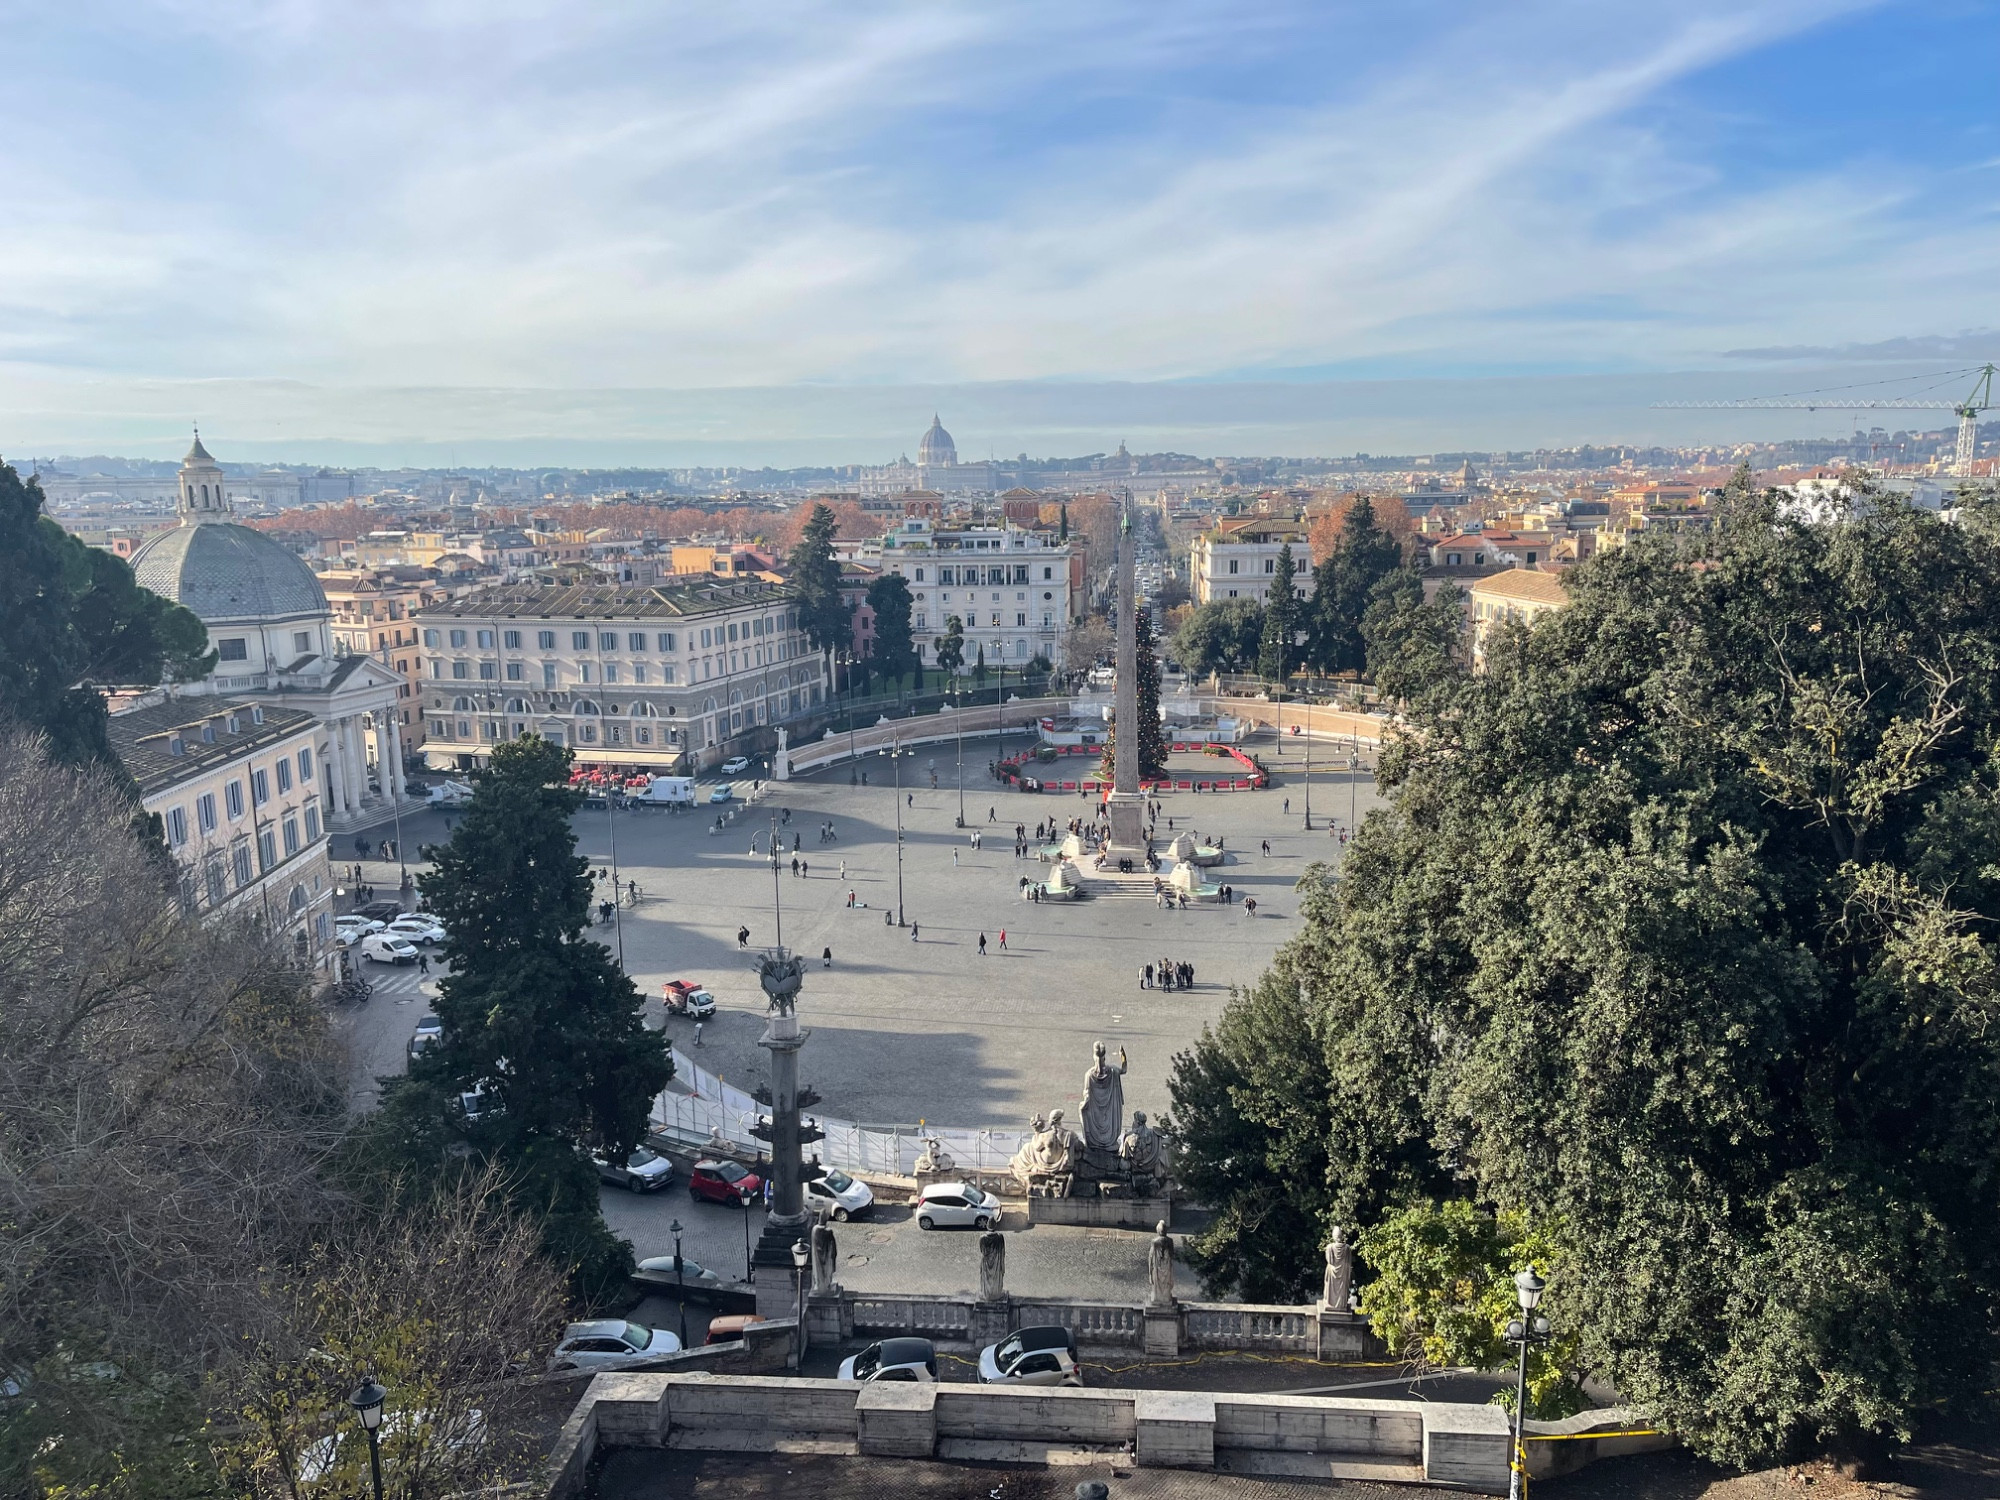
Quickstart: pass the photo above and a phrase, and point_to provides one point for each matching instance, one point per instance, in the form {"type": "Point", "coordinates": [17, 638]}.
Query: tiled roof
{"type": "Point", "coordinates": [223, 572]}
{"type": "Point", "coordinates": [143, 737]}
{"type": "Point", "coordinates": [534, 601]}
{"type": "Point", "coordinates": [1525, 584]}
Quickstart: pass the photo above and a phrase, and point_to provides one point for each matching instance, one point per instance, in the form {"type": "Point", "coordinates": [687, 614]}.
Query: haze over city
{"type": "Point", "coordinates": [529, 234]}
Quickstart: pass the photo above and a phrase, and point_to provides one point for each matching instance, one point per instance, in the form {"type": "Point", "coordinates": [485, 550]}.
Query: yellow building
{"type": "Point", "coordinates": [1518, 594]}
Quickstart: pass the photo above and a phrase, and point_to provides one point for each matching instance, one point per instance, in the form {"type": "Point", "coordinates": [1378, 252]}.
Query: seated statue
{"type": "Point", "coordinates": [1143, 1154]}
{"type": "Point", "coordinates": [1050, 1153]}
{"type": "Point", "coordinates": [935, 1159]}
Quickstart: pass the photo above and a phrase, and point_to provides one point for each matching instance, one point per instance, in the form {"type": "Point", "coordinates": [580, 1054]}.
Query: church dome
{"type": "Point", "coordinates": [937, 448]}
{"type": "Point", "coordinates": [226, 572]}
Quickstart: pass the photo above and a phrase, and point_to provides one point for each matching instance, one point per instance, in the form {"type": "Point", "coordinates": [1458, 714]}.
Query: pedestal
{"type": "Point", "coordinates": [1127, 814]}
{"type": "Point", "coordinates": [1163, 1331]}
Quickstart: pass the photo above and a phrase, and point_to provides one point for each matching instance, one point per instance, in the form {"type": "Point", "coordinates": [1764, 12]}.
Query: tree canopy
{"type": "Point", "coordinates": [1277, 650]}
{"type": "Point", "coordinates": [1223, 636]}
{"type": "Point", "coordinates": [950, 647]}
{"type": "Point", "coordinates": [71, 617]}
{"type": "Point", "coordinates": [815, 575]}
{"type": "Point", "coordinates": [1676, 941]}
{"type": "Point", "coordinates": [895, 652]}
{"type": "Point", "coordinates": [1345, 586]}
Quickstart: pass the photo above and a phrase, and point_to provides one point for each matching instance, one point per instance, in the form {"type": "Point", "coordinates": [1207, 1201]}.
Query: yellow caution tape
{"type": "Point", "coordinates": [1577, 1437]}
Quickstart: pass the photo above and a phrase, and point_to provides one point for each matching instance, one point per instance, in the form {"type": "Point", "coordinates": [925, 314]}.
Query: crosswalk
{"type": "Point", "coordinates": [400, 983]}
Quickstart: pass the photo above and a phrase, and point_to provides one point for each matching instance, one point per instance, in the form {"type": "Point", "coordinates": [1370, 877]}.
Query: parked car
{"type": "Point", "coordinates": [722, 794]}
{"type": "Point", "coordinates": [380, 911]}
{"type": "Point", "coordinates": [477, 1104]}
{"type": "Point", "coordinates": [729, 1330]}
{"type": "Point", "coordinates": [417, 928]}
{"type": "Point", "coordinates": [839, 1196]}
{"type": "Point", "coordinates": [430, 1031]}
{"type": "Point", "coordinates": [1032, 1356]}
{"type": "Point", "coordinates": [643, 1170]}
{"type": "Point", "coordinates": [610, 1344]}
{"type": "Point", "coordinates": [686, 998]}
{"type": "Point", "coordinates": [892, 1359]}
{"type": "Point", "coordinates": [736, 765]}
{"type": "Point", "coordinates": [692, 1275]}
{"type": "Point", "coordinates": [955, 1205]}
{"type": "Point", "coordinates": [387, 948]}
{"type": "Point", "coordinates": [724, 1182]}
{"type": "Point", "coordinates": [319, 1458]}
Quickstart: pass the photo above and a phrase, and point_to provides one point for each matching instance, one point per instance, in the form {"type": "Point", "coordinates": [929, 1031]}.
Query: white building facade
{"type": "Point", "coordinates": [1239, 560]}
{"type": "Point", "coordinates": [664, 677]}
{"type": "Point", "coordinates": [1010, 586]}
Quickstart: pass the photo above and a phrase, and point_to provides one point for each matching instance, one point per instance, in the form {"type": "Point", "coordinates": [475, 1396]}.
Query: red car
{"type": "Point", "coordinates": [724, 1182]}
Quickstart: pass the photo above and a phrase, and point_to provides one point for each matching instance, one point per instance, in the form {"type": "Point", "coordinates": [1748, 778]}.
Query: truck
{"type": "Point", "coordinates": [664, 791]}
{"type": "Point", "coordinates": [449, 794]}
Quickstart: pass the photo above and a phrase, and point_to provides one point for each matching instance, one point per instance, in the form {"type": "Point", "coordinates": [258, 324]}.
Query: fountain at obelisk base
{"type": "Point", "coordinates": [1125, 808]}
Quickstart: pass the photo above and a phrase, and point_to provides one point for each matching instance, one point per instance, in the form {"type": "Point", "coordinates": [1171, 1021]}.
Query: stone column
{"type": "Point", "coordinates": [394, 752]}
{"type": "Point", "coordinates": [358, 750]}
{"type": "Point", "coordinates": [336, 794]}
{"type": "Point", "coordinates": [357, 772]}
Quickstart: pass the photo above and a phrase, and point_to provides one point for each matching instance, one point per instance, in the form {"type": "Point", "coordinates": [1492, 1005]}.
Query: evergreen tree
{"type": "Point", "coordinates": [71, 617]}
{"type": "Point", "coordinates": [979, 666]}
{"type": "Point", "coordinates": [1220, 637]}
{"type": "Point", "coordinates": [1676, 942]}
{"type": "Point", "coordinates": [895, 653]}
{"type": "Point", "coordinates": [815, 578]}
{"type": "Point", "coordinates": [1344, 586]}
{"type": "Point", "coordinates": [1275, 653]}
{"type": "Point", "coordinates": [1152, 734]}
{"type": "Point", "coordinates": [537, 1015]}
{"type": "Point", "coordinates": [1062, 527]}
{"type": "Point", "coordinates": [950, 647]}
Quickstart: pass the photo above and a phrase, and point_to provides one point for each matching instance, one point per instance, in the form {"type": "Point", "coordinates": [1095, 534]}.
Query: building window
{"type": "Point", "coordinates": [430, 637]}
{"type": "Point", "coordinates": [1232, 565]}
{"type": "Point", "coordinates": [204, 812]}
{"type": "Point", "coordinates": [636, 640]}
{"type": "Point", "coordinates": [920, 575]}
{"type": "Point", "coordinates": [260, 788]}
{"type": "Point", "coordinates": [267, 850]}
{"type": "Point", "coordinates": [464, 729]}
{"type": "Point", "coordinates": [667, 674]}
{"type": "Point", "coordinates": [586, 734]}
{"type": "Point", "coordinates": [312, 821]}
{"type": "Point", "coordinates": [232, 798]}
{"type": "Point", "coordinates": [489, 729]}
{"type": "Point", "coordinates": [218, 882]}
{"type": "Point", "coordinates": [548, 674]}
{"type": "Point", "coordinates": [458, 638]}
{"type": "Point", "coordinates": [284, 770]}
{"type": "Point", "coordinates": [611, 671]}
{"type": "Point", "coordinates": [302, 641]}
{"type": "Point", "coordinates": [305, 767]}
{"type": "Point", "coordinates": [239, 861]}
{"type": "Point", "coordinates": [234, 648]}
{"type": "Point", "coordinates": [638, 673]}
{"type": "Point", "coordinates": [512, 639]}
{"type": "Point", "coordinates": [488, 671]}
{"type": "Point", "coordinates": [665, 640]}
{"type": "Point", "coordinates": [546, 639]}
{"type": "Point", "coordinates": [515, 671]}
{"type": "Point", "coordinates": [580, 640]}
{"type": "Point", "coordinates": [1270, 565]}
{"type": "Point", "coordinates": [485, 640]}
{"type": "Point", "coordinates": [291, 836]}
{"type": "Point", "coordinates": [177, 826]}
{"type": "Point", "coordinates": [583, 670]}
{"type": "Point", "coordinates": [1048, 573]}
{"type": "Point", "coordinates": [642, 735]}
{"type": "Point", "coordinates": [1020, 619]}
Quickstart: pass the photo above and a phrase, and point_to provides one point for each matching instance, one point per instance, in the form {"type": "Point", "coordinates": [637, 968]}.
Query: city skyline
{"type": "Point", "coordinates": [772, 238]}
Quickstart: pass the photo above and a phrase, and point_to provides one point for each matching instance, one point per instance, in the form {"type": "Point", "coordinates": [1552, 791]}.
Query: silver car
{"type": "Point", "coordinates": [956, 1205]}
{"type": "Point", "coordinates": [610, 1344]}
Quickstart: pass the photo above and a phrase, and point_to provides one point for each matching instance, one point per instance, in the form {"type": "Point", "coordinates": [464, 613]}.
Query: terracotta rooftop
{"type": "Point", "coordinates": [1525, 584]}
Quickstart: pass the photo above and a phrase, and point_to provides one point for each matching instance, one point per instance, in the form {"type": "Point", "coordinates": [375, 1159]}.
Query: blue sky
{"type": "Point", "coordinates": [385, 227]}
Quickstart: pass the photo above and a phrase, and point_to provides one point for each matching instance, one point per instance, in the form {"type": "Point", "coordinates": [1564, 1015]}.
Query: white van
{"type": "Point", "coordinates": [666, 791]}
{"type": "Point", "coordinates": [450, 794]}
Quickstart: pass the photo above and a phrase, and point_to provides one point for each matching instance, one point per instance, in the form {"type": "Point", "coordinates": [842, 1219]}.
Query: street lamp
{"type": "Point", "coordinates": [617, 902]}
{"type": "Point", "coordinates": [800, 1254]}
{"type": "Point", "coordinates": [1530, 1328]}
{"type": "Point", "coordinates": [680, 1277]}
{"type": "Point", "coordinates": [958, 723]}
{"type": "Point", "coordinates": [1309, 768]}
{"type": "Point", "coordinates": [367, 1402]}
{"type": "Point", "coordinates": [896, 755]}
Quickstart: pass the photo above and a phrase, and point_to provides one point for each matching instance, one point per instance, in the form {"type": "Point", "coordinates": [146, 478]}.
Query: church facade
{"type": "Point", "coordinates": [271, 628]}
{"type": "Point", "coordinates": [937, 469]}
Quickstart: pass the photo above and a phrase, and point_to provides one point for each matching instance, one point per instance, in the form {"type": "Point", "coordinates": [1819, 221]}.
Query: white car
{"type": "Point", "coordinates": [956, 1205]}
{"type": "Point", "coordinates": [610, 1344]}
{"type": "Point", "coordinates": [691, 1275]}
{"type": "Point", "coordinates": [416, 928]}
{"type": "Point", "coordinates": [1032, 1356]}
{"type": "Point", "coordinates": [387, 948]}
{"type": "Point", "coordinates": [839, 1196]}
{"type": "Point", "coordinates": [349, 930]}
{"type": "Point", "coordinates": [736, 765]}
{"type": "Point", "coordinates": [892, 1359]}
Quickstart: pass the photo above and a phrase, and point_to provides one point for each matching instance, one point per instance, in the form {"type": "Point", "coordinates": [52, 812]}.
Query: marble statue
{"type": "Point", "coordinates": [824, 1260]}
{"type": "Point", "coordinates": [1160, 1268]}
{"type": "Point", "coordinates": [935, 1159]}
{"type": "Point", "coordinates": [992, 1266]}
{"type": "Point", "coordinates": [1339, 1272]}
{"type": "Point", "coordinates": [1143, 1154]}
{"type": "Point", "coordinates": [1050, 1152]}
{"type": "Point", "coordinates": [1103, 1104]}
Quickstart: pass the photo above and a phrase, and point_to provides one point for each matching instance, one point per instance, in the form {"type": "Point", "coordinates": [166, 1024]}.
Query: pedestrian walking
{"type": "Point", "coordinates": [795, 867]}
{"type": "Point", "coordinates": [1288, 805]}
{"type": "Point", "coordinates": [954, 859]}
{"type": "Point", "coordinates": [805, 870]}
{"type": "Point", "coordinates": [697, 1033]}
{"type": "Point", "coordinates": [424, 965]}
{"type": "Point", "coordinates": [743, 937]}
{"type": "Point", "coordinates": [843, 869]}
{"type": "Point", "coordinates": [826, 958]}
{"type": "Point", "coordinates": [1267, 848]}
{"type": "Point", "coordinates": [982, 945]}
{"type": "Point", "coordinates": [913, 932]}
{"type": "Point", "coordinates": [1146, 977]}
{"type": "Point", "coordinates": [1003, 940]}
{"type": "Point", "coordinates": [992, 816]}
{"type": "Point", "coordinates": [909, 799]}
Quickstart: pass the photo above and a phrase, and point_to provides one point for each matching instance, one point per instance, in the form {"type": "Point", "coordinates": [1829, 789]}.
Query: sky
{"type": "Point", "coordinates": [512, 231]}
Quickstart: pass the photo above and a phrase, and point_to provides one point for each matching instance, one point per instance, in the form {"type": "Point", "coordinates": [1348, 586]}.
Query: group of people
{"type": "Point", "coordinates": [1167, 975]}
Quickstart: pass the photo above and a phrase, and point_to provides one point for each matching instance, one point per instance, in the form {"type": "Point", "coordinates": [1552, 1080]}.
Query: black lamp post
{"type": "Point", "coordinates": [680, 1277]}
{"type": "Point", "coordinates": [896, 755]}
{"type": "Point", "coordinates": [800, 1254]}
{"type": "Point", "coordinates": [367, 1402]}
{"type": "Point", "coordinates": [1309, 768]}
{"type": "Point", "coordinates": [1530, 1328]}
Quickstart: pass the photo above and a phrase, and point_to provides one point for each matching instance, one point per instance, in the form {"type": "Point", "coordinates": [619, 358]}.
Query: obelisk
{"type": "Point", "coordinates": [1126, 806]}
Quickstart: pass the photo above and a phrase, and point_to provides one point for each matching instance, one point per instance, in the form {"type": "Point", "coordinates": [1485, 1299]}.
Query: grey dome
{"type": "Point", "coordinates": [937, 448]}
{"type": "Point", "coordinates": [223, 571]}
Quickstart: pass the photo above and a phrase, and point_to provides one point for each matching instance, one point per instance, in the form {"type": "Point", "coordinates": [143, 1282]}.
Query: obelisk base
{"type": "Point", "coordinates": [1126, 812]}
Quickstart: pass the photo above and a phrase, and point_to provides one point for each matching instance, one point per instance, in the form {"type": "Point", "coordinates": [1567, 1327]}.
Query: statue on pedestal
{"type": "Point", "coordinates": [1339, 1272]}
{"type": "Point", "coordinates": [1044, 1165]}
{"type": "Point", "coordinates": [935, 1160]}
{"type": "Point", "coordinates": [1160, 1268]}
{"type": "Point", "coordinates": [1103, 1103]}
{"type": "Point", "coordinates": [1144, 1156]}
{"type": "Point", "coordinates": [825, 1258]}
{"type": "Point", "coordinates": [992, 1266]}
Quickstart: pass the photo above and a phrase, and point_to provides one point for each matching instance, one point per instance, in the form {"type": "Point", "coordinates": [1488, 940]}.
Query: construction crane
{"type": "Point", "coordinates": [1968, 410]}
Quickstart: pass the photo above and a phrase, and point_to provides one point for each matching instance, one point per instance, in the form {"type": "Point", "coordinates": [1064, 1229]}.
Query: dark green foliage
{"type": "Point", "coordinates": [71, 616]}
{"type": "Point", "coordinates": [1345, 586]}
{"type": "Point", "coordinates": [950, 647]}
{"type": "Point", "coordinates": [1152, 733]}
{"type": "Point", "coordinates": [1220, 637]}
{"type": "Point", "coordinates": [1411, 645]}
{"type": "Point", "coordinates": [1278, 648]}
{"type": "Point", "coordinates": [536, 1014]}
{"type": "Point", "coordinates": [895, 654]}
{"type": "Point", "coordinates": [1677, 939]}
{"type": "Point", "coordinates": [815, 577]}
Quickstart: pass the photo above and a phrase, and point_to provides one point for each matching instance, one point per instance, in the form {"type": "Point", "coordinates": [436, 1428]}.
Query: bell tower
{"type": "Point", "coordinates": [201, 493]}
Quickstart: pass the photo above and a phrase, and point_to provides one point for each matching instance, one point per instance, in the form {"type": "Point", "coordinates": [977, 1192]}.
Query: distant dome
{"type": "Point", "coordinates": [937, 449]}
{"type": "Point", "coordinates": [225, 572]}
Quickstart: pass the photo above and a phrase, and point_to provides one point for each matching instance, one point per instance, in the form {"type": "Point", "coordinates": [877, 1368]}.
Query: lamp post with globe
{"type": "Point", "coordinates": [1530, 1328]}
{"type": "Point", "coordinates": [367, 1402]}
